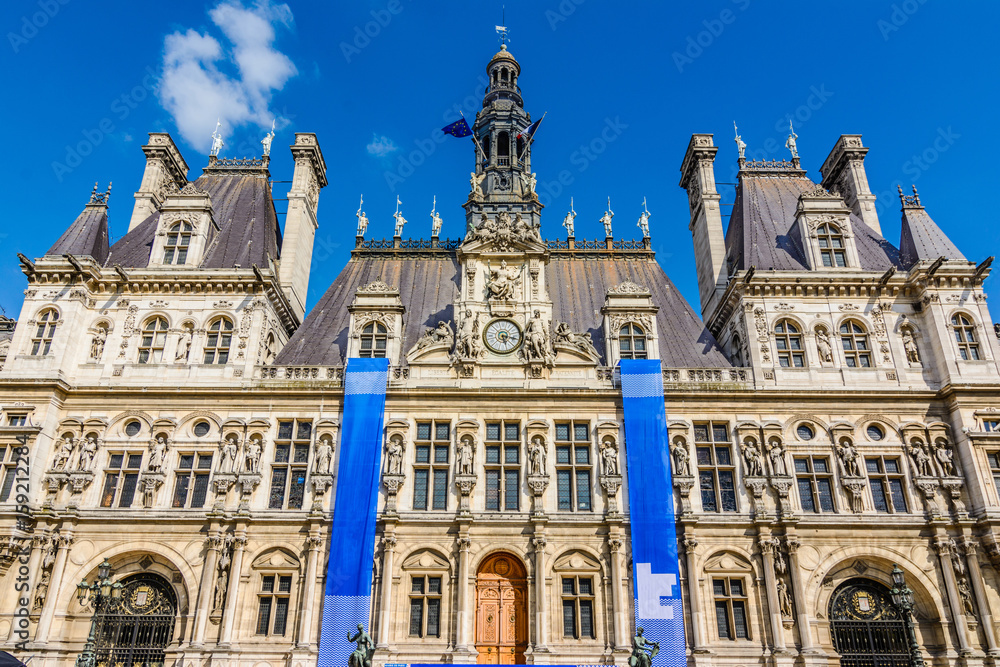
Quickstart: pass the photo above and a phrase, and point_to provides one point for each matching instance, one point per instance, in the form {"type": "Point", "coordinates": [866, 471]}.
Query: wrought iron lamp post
{"type": "Point", "coordinates": [902, 597]}
{"type": "Point", "coordinates": [95, 595]}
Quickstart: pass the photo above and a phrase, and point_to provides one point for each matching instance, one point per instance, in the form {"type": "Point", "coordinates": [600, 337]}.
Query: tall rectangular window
{"type": "Point", "coordinates": [716, 471]}
{"type": "Point", "coordinates": [120, 479]}
{"type": "Point", "coordinates": [730, 608]}
{"type": "Point", "coordinates": [578, 607]}
{"type": "Point", "coordinates": [8, 469]}
{"type": "Point", "coordinates": [425, 606]}
{"type": "Point", "coordinates": [191, 483]}
{"type": "Point", "coordinates": [885, 477]}
{"type": "Point", "coordinates": [815, 481]}
{"type": "Point", "coordinates": [291, 461]}
{"type": "Point", "coordinates": [503, 465]}
{"type": "Point", "coordinates": [272, 604]}
{"type": "Point", "coordinates": [574, 472]}
{"type": "Point", "coordinates": [992, 457]}
{"type": "Point", "coordinates": [430, 466]}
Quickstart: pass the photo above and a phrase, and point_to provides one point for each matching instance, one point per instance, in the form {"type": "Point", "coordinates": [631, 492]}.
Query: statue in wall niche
{"type": "Point", "coordinates": [465, 453]}
{"type": "Point", "coordinates": [97, 343]}
{"type": "Point", "coordinates": [785, 599]}
{"type": "Point", "coordinates": [609, 457]}
{"type": "Point", "coordinates": [536, 456]}
{"type": "Point", "coordinates": [252, 458]}
{"type": "Point", "coordinates": [362, 655]}
{"type": "Point", "coordinates": [42, 589]}
{"type": "Point", "coordinates": [394, 455]}
{"type": "Point", "coordinates": [158, 451]}
{"type": "Point", "coordinates": [87, 453]}
{"type": "Point", "coordinates": [921, 459]}
{"type": "Point", "coordinates": [229, 450]}
{"type": "Point", "coordinates": [503, 281]}
{"type": "Point", "coordinates": [752, 458]}
{"type": "Point", "coordinates": [945, 456]}
{"type": "Point", "coordinates": [221, 583]}
{"type": "Point", "coordinates": [682, 460]}
{"type": "Point", "coordinates": [324, 456]}
{"type": "Point", "coordinates": [849, 456]}
{"type": "Point", "coordinates": [536, 339]}
{"type": "Point", "coordinates": [643, 650]}
{"type": "Point", "coordinates": [469, 345]}
{"type": "Point", "coordinates": [777, 455]}
{"type": "Point", "coordinates": [823, 345]}
{"type": "Point", "coordinates": [965, 593]}
{"type": "Point", "coordinates": [66, 449]}
{"type": "Point", "coordinates": [184, 344]}
{"type": "Point", "coordinates": [910, 347]}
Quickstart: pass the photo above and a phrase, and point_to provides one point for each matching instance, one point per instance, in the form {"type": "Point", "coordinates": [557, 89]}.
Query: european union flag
{"type": "Point", "coordinates": [458, 129]}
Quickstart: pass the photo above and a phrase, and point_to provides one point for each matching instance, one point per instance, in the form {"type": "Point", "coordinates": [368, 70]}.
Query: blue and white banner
{"type": "Point", "coordinates": [658, 604]}
{"type": "Point", "coordinates": [347, 602]}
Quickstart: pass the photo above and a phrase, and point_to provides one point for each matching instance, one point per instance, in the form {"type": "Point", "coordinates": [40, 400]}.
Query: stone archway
{"type": "Point", "coordinates": [134, 630]}
{"type": "Point", "coordinates": [501, 610]}
{"type": "Point", "coordinates": [867, 629]}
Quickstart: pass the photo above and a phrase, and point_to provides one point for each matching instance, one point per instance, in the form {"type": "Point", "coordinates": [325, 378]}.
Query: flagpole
{"type": "Point", "coordinates": [475, 140]}
{"type": "Point", "coordinates": [532, 139]}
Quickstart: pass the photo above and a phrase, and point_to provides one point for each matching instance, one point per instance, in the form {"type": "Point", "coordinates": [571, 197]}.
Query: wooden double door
{"type": "Point", "coordinates": [501, 610]}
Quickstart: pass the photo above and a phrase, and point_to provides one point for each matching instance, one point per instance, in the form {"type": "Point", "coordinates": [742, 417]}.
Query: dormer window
{"type": "Point", "coordinates": [220, 336]}
{"type": "Point", "coordinates": [154, 336]}
{"type": "Point", "coordinates": [45, 331]}
{"type": "Point", "coordinates": [632, 342]}
{"type": "Point", "coordinates": [374, 338]}
{"type": "Point", "coordinates": [831, 245]}
{"type": "Point", "coordinates": [965, 337]}
{"type": "Point", "coordinates": [178, 241]}
{"type": "Point", "coordinates": [788, 340]}
{"type": "Point", "coordinates": [854, 340]}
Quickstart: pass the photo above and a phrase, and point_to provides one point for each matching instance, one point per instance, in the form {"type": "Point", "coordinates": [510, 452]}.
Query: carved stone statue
{"type": "Point", "coordinates": [643, 223]}
{"type": "Point", "coordinates": [529, 181]}
{"type": "Point", "coordinates": [66, 449]}
{"type": "Point", "coordinates": [87, 453]}
{"type": "Point", "coordinates": [266, 141]}
{"type": "Point", "coordinates": [42, 589]}
{"type": "Point", "coordinates": [184, 344]}
{"type": "Point", "coordinates": [436, 221]}
{"type": "Point", "coordinates": [362, 218]}
{"type": "Point", "coordinates": [221, 583]}
{"type": "Point", "coordinates": [785, 599]}
{"type": "Point", "coordinates": [536, 340]}
{"type": "Point", "coordinates": [465, 453]}
{"type": "Point", "coordinates": [568, 220]}
{"type": "Point", "coordinates": [442, 334]}
{"type": "Point", "coordinates": [468, 345]}
{"type": "Point", "coordinates": [157, 452]}
{"type": "Point", "coordinates": [502, 281]}
{"type": "Point", "coordinates": [751, 455]}
{"type": "Point", "coordinates": [606, 219]}
{"type": "Point", "coordinates": [777, 456]}
{"type": "Point", "coordinates": [394, 455]}
{"type": "Point", "coordinates": [790, 142]}
{"type": "Point", "coordinates": [97, 343]}
{"type": "Point", "coordinates": [741, 146]}
{"type": "Point", "coordinates": [229, 450]}
{"type": "Point", "coordinates": [921, 459]}
{"type": "Point", "coordinates": [849, 456]}
{"type": "Point", "coordinates": [581, 341]}
{"type": "Point", "coordinates": [609, 458]}
{"type": "Point", "coordinates": [965, 593]}
{"type": "Point", "coordinates": [536, 456]}
{"type": "Point", "coordinates": [400, 221]}
{"type": "Point", "coordinates": [945, 456]}
{"type": "Point", "coordinates": [823, 345]}
{"type": "Point", "coordinates": [682, 459]}
{"type": "Point", "coordinates": [251, 459]}
{"type": "Point", "coordinates": [476, 181]}
{"type": "Point", "coordinates": [643, 650]}
{"type": "Point", "coordinates": [324, 456]}
{"type": "Point", "coordinates": [217, 142]}
{"type": "Point", "coordinates": [910, 347]}
{"type": "Point", "coordinates": [362, 655]}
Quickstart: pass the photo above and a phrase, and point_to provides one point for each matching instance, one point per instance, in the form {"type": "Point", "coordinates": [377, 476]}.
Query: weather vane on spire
{"type": "Point", "coordinates": [502, 29]}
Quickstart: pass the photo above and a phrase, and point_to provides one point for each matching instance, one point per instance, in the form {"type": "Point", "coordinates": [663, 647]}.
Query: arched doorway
{"type": "Point", "coordinates": [501, 610]}
{"type": "Point", "coordinates": [868, 630]}
{"type": "Point", "coordinates": [133, 630]}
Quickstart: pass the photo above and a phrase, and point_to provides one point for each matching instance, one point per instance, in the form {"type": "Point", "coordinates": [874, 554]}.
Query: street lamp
{"type": "Point", "coordinates": [902, 597]}
{"type": "Point", "coordinates": [95, 595]}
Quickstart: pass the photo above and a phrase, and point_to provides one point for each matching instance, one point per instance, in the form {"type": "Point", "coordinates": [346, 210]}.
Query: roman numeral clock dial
{"type": "Point", "coordinates": [502, 336]}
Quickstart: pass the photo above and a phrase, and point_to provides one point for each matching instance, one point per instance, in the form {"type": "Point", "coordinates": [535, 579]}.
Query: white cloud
{"type": "Point", "coordinates": [233, 80]}
{"type": "Point", "coordinates": [381, 146]}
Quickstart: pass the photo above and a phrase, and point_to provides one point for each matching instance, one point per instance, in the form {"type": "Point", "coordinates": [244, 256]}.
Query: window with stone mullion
{"type": "Point", "coordinates": [291, 462]}
{"type": "Point", "coordinates": [730, 608]}
{"type": "Point", "coordinates": [578, 607]}
{"type": "Point", "coordinates": [716, 470]}
{"type": "Point", "coordinates": [272, 604]}
{"type": "Point", "coordinates": [815, 483]}
{"type": "Point", "coordinates": [573, 467]}
{"type": "Point", "coordinates": [121, 478]}
{"type": "Point", "coordinates": [886, 480]}
{"type": "Point", "coordinates": [430, 467]}
{"type": "Point", "coordinates": [9, 469]}
{"type": "Point", "coordinates": [503, 466]}
{"type": "Point", "coordinates": [425, 606]}
{"type": "Point", "coordinates": [192, 479]}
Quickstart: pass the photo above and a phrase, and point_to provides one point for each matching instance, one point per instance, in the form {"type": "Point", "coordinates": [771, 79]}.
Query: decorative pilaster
{"type": "Point", "coordinates": [969, 546]}
{"type": "Point", "coordinates": [388, 553]}
{"type": "Point", "coordinates": [690, 544]}
{"type": "Point", "coordinates": [768, 545]}
{"type": "Point", "coordinates": [202, 609]}
{"type": "Point", "coordinates": [462, 611]}
{"type": "Point", "coordinates": [541, 602]}
{"type": "Point", "coordinates": [62, 544]}
{"type": "Point", "coordinates": [235, 571]}
{"type": "Point", "coordinates": [801, 609]}
{"type": "Point", "coordinates": [314, 545]}
{"type": "Point", "coordinates": [943, 546]}
{"type": "Point", "coordinates": [616, 546]}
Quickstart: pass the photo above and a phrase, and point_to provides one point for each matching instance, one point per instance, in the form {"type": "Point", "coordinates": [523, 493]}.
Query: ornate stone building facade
{"type": "Point", "coordinates": [171, 418]}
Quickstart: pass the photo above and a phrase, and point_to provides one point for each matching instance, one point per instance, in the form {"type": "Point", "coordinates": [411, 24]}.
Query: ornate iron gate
{"type": "Point", "coordinates": [868, 630]}
{"type": "Point", "coordinates": [133, 630]}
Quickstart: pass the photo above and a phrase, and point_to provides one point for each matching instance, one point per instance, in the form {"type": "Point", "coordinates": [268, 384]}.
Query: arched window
{"type": "Point", "coordinates": [965, 336]}
{"type": "Point", "coordinates": [154, 335]}
{"type": "Point", "coordinates": [520, 146]}
{"type": "Point", "coordinates": [41, 342]}
{"type": "Point", "coordinates": [854, 340]}
{"type": "Point", "coordinates": [374, 338]}
{"type": "Point", "coordinates": [220, 336]}
{"type": "Point", "coordinates": [134, 629]}
{"type": "Point", "coordinates": [270, 349]}
{"type": "Point", "coordinates": [632, 342]}
{"type": "Point", "coordinates": [788, 340]}
{"type": "Point", "coordinates": [503, 148]}
{"type": "Point", "coordinates": [867, 628]}
{"type": "Point", "coordinates": [831, 245]}
{"type": "Point", "coordinates": [736, 350]}
{"type": "Point", "coordinates": [178, 239]}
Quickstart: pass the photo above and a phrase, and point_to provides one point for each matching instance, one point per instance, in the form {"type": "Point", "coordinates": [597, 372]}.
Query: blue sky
{"type": "Point", "coordinates": [625, 84]}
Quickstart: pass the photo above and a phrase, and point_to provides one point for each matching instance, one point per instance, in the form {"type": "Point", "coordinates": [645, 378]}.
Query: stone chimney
{"type": "Point", "coordinates": [166, 171]}
{"type": "Point", "coordinates": [844, 171]}
{"type": "Point", "coordinates": [301, 222]}
{"type": "Point", "coordinates": [698, 178]}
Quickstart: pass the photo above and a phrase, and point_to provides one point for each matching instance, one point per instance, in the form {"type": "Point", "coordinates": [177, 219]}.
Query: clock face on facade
{"type": "Point", "coordinates": [502, 336]}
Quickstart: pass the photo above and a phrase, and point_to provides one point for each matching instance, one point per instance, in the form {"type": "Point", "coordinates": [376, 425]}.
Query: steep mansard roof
{"type": "Point", "coordinates": [88, 235]}
{"type": "Point", "coordinates": [762, 230]}
{"type": "Point", "coordinates": [428, 288]}
{"type": "Point", "coordinates": [248, 226]}
{"type": "Point", "coordinates": [921, 238]}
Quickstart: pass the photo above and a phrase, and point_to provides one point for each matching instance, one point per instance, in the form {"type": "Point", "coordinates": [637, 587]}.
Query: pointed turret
{"type": "Point", "coordinates": [920, 237]}
{"type": "Point", "coordinates": [88, 235]}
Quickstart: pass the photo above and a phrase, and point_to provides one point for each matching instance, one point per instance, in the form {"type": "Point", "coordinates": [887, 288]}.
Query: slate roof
{"type": "Point", "coordinates": [248, 226]}
{"type": "Point", "coordinates": [921, 238]}
{"type": "Point", "coordinates": [762, 230]}
{"type": "Point", "coordinates": [429, 287]}
{"type": "Point", "coordinates": [87, 236]}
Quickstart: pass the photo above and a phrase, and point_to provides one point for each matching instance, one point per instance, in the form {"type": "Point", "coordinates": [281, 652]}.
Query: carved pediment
{"type": "Point", "coordinates": [426, 560]}
{"type": "Point", "coordinates": [577, 561]}
{"type": "Point", "coordinates": [727, 562]}
{"type": "Point", "coordinates": [276, 559]}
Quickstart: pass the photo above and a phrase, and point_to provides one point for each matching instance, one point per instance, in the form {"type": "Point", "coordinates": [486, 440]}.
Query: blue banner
{"type": "Point", "coordinates": [658, 605]}
{"type": "Point", "coordinates": [347, 602]}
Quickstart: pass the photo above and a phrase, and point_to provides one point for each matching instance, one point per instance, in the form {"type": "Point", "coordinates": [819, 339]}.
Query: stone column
{"type": "Point", "coordinates": [38, 545]}
{"type": "Point", "coordinates": [801, 608]}
{"type": "Point", "coordinates": [462, 612]}
{"type": "Point", "coordinates": [388, 551]}
{"type": "Point", "coordinates": [313, 545]}
{"type": "Point", "coordinates": [767, 547]}
{"type": "Point", "coordinates": [206, 590]}
{"type": "Point", "coordinates": [541, 604]}
{"type": "Point", "coordinates": [63, 543]}
{"type": "Point", "coordinates": [618, 607]}
{"type": "Point", "coordinates": [982, 602]}
{"type": "Point", "coordinates": [235, 573]}
{"type": "Point", "coordinates": [697, 641]}
{"type": "Point", "coordinates": [943, 546]}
